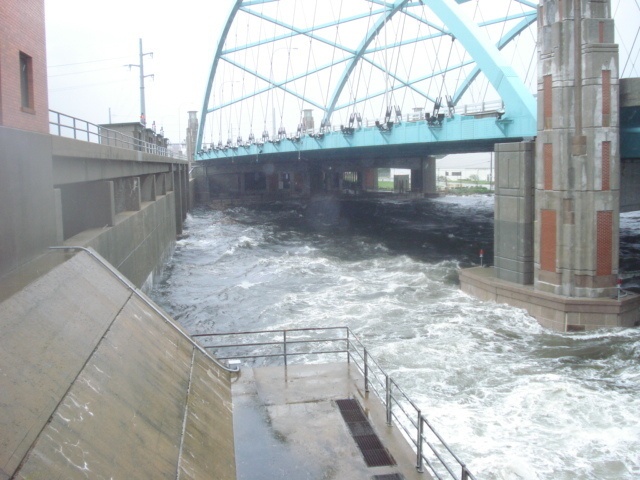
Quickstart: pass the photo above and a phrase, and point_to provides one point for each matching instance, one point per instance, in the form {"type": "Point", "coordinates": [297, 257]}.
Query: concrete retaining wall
{"type": "Point", "coordinates": [127, 205]}
{"type": "Point", "coordinates": [97, 383]}
{"type": "Point", "coordinates": [139, 241]}
{"type": "Point", "coordinates": [27, 198]}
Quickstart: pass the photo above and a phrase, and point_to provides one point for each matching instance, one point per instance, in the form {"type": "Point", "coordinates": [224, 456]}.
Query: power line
{"type": "Point", "coordinates": [82, 72]}
{"type": "Point", "coordinates": [86, 86]}
{"type": "Point", "coordinates": [84, 63]}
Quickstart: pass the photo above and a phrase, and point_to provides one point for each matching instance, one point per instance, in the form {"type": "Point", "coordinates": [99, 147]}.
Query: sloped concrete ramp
{"type": "Point", "coordinates": [95, 383]}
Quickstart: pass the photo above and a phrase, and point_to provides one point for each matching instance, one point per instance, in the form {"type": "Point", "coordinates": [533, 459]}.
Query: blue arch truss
{"type": "Point", "coordinates": [269, 69]}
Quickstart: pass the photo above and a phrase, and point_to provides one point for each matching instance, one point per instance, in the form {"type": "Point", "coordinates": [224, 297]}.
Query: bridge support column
{"type": "Point", "coordinates": [578, 168]}
{"type": "Point", "coordinates": [577, 181]}
{"type": "Point", "coordinates": [201, 186]}
{"type": "Point", "coordinates": [370, 179]}
{"type": "Point", "coordinates": [424, 179]}
{"type": "Point", "coordinates": [514, 212]}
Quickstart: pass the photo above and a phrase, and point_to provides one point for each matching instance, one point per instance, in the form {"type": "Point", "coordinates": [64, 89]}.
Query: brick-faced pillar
{"type": "Point", "coordinates": [577, 150]}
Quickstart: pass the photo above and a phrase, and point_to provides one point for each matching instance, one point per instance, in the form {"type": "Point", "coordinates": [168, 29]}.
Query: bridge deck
{"type": "Point", "coordinates": [287, 425]}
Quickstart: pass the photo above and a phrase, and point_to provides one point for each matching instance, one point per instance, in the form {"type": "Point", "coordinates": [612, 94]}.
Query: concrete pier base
{"type": "Point", "coordinates": [557, 312]}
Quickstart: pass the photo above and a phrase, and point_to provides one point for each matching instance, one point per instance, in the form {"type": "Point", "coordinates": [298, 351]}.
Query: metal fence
{"type": "Point", "coordinates": [302, 345]}
{"type": "Point", "coordinates": [67, 126]}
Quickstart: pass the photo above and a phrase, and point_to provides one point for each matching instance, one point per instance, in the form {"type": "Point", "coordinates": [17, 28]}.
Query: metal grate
{"type": "Point", "coordinates": [389, 476]}
{"type": "Point", "coordinates": [372, 449]}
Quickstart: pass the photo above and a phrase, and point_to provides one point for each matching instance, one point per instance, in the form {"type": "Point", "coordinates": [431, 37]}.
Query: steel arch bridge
{"type": "Point", "coordinates": [313, 78]}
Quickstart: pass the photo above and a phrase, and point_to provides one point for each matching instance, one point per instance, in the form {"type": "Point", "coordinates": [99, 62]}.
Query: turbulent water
{"type": "Point", "coordinates": [514, 400]}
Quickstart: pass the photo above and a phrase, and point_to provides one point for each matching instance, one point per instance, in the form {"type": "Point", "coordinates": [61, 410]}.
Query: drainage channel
{"type": "Point", "coordinates": [372, 449]}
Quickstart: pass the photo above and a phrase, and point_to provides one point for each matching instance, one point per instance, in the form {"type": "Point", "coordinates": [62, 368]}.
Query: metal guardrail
{"type": "Point", "coordinates": [63, 125]}
{"type": "Point", "coordinates": [430, 447]}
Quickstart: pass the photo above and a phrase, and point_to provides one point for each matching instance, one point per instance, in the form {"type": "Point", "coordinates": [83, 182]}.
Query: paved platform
{"type": "Point", "coordinates": [287, 425]}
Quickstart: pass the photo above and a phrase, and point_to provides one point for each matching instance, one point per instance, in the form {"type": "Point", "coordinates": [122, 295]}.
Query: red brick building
{"type": "Point", "coordinates": [23, 66]}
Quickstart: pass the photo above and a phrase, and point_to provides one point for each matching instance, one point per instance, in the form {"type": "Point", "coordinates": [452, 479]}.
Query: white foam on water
{"type": "Point", "coordinates": [514, 401]}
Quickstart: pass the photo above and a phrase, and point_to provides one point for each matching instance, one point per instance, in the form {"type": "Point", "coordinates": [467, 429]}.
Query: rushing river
{"type": "Point", "coordinates": [514, 400]}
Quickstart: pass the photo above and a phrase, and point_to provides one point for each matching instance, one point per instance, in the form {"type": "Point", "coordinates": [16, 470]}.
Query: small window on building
{"type": "Point", "coordinates": [26, 82]}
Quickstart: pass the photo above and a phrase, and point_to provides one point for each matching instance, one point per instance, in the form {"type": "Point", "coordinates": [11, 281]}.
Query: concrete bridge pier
{"type": "Point", "coordinates": [370, 179]}
{"type": "Point", "coordinates": [565, 210]}
{"type": "Point", "coordinates": [424, 178]}
{"type": "Point", "coordinates": [514, 212]}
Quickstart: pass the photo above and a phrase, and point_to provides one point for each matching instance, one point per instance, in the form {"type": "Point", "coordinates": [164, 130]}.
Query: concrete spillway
{"type": "Point", "coordinates": [95, 383]}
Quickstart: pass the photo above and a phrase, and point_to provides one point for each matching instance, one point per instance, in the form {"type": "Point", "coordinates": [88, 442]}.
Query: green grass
{"type": "Point", "coordinates": [385, 185]}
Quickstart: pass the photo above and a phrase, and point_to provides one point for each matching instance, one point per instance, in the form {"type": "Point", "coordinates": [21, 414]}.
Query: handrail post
{"type": "Point", "coordinates": [419, 463]}
{"type": "Point", "coordinates": [388, 388]}
{"type": "Point", "coordinates": [366, 371]}
{"type": "Point", "coordinates": [348, 347]}
{"type": "Point", "coordinates": [465, 473]}
{"type": "Point", "coordinates": [284, 336]}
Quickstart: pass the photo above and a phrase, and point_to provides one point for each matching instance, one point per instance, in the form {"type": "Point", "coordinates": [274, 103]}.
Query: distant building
{"type": "Point", "coordinates": [456, 174]}
{"type": "Point", "coordinates": [136, 130]}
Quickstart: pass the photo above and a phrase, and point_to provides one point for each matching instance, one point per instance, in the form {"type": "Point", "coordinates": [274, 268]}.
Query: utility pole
{"type": "Point", "coordinates": [143, 113]}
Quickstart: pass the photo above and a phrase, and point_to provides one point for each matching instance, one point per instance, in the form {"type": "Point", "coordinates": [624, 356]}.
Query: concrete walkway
{"type": "Point", "coordinates": [287, 425]}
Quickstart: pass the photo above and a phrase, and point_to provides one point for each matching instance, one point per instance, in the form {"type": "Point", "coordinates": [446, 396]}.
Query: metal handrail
{"type": "Point", "coordinates": [63, 125]}
{"type": "Point", "coordinates": [407, 415]}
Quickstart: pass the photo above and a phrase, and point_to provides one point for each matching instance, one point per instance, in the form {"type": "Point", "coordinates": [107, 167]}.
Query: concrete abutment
{"type": "Point", "coordinates": [130, 219]}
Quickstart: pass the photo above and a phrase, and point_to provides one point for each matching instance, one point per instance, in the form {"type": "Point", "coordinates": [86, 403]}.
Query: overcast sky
{"type": "Point", "coordinates": [89, 43]}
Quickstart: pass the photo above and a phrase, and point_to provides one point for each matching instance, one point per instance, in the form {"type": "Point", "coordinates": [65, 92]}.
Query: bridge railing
{"type": "Point", "coordinates": [63, 125]}
{"type": "Point", "coordinates": [265, 346]}
{"type": "Point", "coordinates": [492, 107]}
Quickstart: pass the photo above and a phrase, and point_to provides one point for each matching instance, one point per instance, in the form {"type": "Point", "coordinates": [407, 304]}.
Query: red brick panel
{"type": "Point", "coordinates": [548, 242]}
{"type": "Point", "coordinates": [604, 243]}
{"type": "Point", "coordinates": [547, 91]}
{"type": "Point", "coordinates": [606, 165]}
{"type": "Point", "coordinates": [601, 32]}
{"type": "Point", "coordinates": [548, 166]}
{"type": "Point", "coordinates": [606, 98]}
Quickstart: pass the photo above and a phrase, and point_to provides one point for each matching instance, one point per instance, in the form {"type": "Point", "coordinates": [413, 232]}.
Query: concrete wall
{"type": "Point", "coordinates": [139, 242]}
{"type": "Point", "coordinates": [131, 220]}
{"type": "Point", "coordinates": [630, 144]}
{"type": "Point", "coordinates": [514, 212]}
{"type": "Point", "coordinates": [96, 383]}
{"type": "Point", "coordinates": [27, 198]}
{"type": "Point", "coordinates": [630, 186]}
